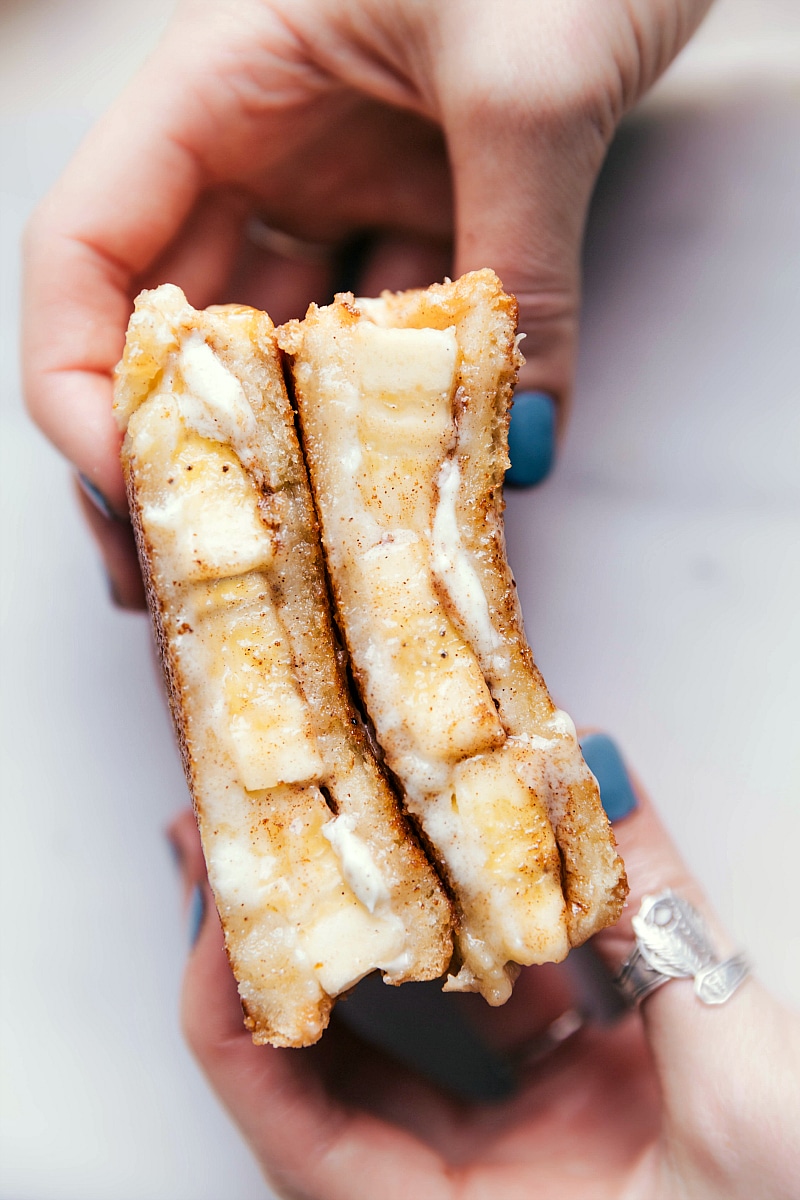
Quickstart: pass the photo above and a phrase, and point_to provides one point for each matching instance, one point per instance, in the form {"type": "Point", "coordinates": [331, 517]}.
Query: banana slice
{"type": "Point", "coordinates": [404, 405]}
{"type": "Point", "coordinates": [317, 878]}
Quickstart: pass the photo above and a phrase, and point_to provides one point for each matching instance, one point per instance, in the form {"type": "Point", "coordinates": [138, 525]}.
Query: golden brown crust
{"type": "Point", "coordinates": [277, 1010]}
{"type": "Point", "coordinates": [276, 1024]}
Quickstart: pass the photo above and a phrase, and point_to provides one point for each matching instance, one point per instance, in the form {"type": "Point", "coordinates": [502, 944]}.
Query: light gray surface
{"type": "Point", "coordinates": [659, 570]}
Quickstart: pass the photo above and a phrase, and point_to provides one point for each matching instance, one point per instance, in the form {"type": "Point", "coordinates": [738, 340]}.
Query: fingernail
{"type": "Point", "coordinates": [176, 853]}
{"type": "Point", "coordinates": [605, 762]}
{"type": "Point", "coordinates": [197, 911]}
{"type": "Point", "coordinates": [113, 591]}
{"type": "Point", "coordinates": [531, 439]}
{"type": "Point", "coordinates": [97, 498]}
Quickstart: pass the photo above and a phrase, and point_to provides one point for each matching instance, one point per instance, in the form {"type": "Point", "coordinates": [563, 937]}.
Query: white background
{"type": "Point", "coordinates": [659, 570]}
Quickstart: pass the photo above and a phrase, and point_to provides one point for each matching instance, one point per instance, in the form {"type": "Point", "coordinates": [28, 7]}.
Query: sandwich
{"type": "Point", "coordinates": [317, 877]}
{"type": "Point", "coordinates": [381, 780]}
{"type": "Point", "coordinates": [404, 405]}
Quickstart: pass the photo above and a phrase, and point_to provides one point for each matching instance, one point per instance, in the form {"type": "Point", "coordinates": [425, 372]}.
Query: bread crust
{"type": "Point", "coordinates": [282, 1013]}
{"type": "Point", "coordinates": [484, 319]}
{"type": "Point", "coordinates": [574, 845]}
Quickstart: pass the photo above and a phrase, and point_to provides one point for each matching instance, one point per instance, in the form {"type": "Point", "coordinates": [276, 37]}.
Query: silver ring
{"type": "Point", "coordinates": [672, 942]}
{"type": "Point", "coordinates": [284, 245]}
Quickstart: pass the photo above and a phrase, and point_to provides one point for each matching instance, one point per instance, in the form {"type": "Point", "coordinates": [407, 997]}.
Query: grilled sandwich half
{"type": "Point", "coordinates": [404, 405]}
{"type": "Point", "coordinates": [317, 878]}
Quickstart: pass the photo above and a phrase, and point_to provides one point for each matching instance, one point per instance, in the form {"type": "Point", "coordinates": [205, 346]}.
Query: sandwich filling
{"type": "Point", "coordinates": [393, 409]}
{"type": "Point", "coordinates": [300, 829]}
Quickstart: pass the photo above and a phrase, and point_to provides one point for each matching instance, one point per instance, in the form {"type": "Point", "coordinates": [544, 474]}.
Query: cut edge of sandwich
{"type": "Point", "coordinates": [316, 876]}
{"type": "Point", "coordinates": [404, 405]}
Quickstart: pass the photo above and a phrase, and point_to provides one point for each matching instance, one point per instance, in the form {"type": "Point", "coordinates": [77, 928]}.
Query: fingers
{"type": "Point", "coordinates": [397, 263]}
{"type": "Point", "coordinates": [307, 1144]}
{"type": "Point", "coordinates": [281, 286]}
{"type": "Point", "coordinates": [526, 141]}
{"type": "Point", "coordinates": [651, 858]}
{"type": "Point", "coordinates": [716, 1064]}
{"type": "Point", "coordinates": [114, 538]}
{"type": "Point", "coordinates": [185, 840]}
{"type": "Point", "coordinates": [521, 197]}
{"type": "Point", "coordinates": [199, 258]}
{"type": "Point", "coordinates": [124, 197]}
{"type": "Point", "coordinates": [121, 200]}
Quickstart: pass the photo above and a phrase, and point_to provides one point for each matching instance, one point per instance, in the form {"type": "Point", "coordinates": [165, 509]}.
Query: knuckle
{"type": "Point", "coordinates": [567, 95]}
{"type": "Point", "coordinates": [550, 307]}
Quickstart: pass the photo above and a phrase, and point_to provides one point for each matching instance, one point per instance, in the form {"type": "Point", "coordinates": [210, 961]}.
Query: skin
{"type": "Point", "coordinates": [459, 134]}
{"type": "Point", "coordinates": [676, 1101]}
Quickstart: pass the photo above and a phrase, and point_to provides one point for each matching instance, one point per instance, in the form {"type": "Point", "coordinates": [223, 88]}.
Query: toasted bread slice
{"type": "Point", "coordinates": [404, 404]}
{"type": "Point", "coordinates": [316, 876]}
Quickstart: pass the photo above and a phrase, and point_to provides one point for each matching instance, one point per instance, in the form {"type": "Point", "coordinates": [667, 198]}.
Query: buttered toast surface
{"type": "Point", "coordinates": [316, 876]}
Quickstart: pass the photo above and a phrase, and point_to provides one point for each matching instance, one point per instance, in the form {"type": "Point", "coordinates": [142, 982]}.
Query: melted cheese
{"type": "Point", "coordinates": [308, 887]}
{"type": "Point", "coordinates": [452, 567]}
{"type": "Point", "coordinates": [384, 405]}
{"type": "Point", "coordinates": [269, 728]}
{"type": "Point", "coordinates": [358, 866]}
{"type": "Point", "coordinates": [213, 403]}
{"type": "Point", "coordinates": [205, 512]}
{"type": "Point", "coordinates": [296, 873]}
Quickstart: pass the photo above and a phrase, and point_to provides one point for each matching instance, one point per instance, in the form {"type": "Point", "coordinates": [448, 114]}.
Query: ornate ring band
{"type": "Point", "coordinates": [284, 245]}
{"type": "Point", "coordinates": [672, 942]}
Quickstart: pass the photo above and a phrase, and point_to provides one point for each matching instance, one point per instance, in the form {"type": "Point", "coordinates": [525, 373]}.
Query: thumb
{"type": "Point", "coordinates": [522, 183]}
{"type": "Point", "coordinates": [725, 1070]}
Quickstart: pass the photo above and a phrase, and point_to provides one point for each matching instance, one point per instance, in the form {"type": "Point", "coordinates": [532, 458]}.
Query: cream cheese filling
{"type": "Point", "coordinates": [205, 513]}
{"type": "Point", "coordinates": [213, 404]}
{"type": "Point", "coordinates": [331, 931]}
{"type": "Point", "coordinates": [451, 565]}
{"type": "Point", "coordinates": [358, 865]}
{"type": "Point", "coordinates": [386, 408]}
{"type": "Point", "coordinates": [316, 880]}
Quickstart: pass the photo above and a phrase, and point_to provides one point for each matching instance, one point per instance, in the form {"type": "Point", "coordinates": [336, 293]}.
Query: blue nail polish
{"type": "Point", "coordinates": [175, 852]}
{"type": "Point", "coordinates": [531, 439]}
{"type": "Point", "coordinates": [605, 762]}
{"type": "Point", "coordinates": [197, 911]}
{"type": "Point", "coordinates": [113, 592]}
{"type": "Point", "coordinates": [97, 498]}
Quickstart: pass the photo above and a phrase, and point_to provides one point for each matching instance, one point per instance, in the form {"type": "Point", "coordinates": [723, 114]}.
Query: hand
{"type": "Point", "coordinates": [677, 1100]}
{"type": "Point", "coordinates": [459, 134]}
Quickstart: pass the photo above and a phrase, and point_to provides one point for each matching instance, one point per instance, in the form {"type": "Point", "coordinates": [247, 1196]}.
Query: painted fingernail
{"type": "Point", "coordinates": [531, 439]}
{"type": "Point", "coordinates": [113, 590]}
{"type": "Point", "coordinates": [197, 911]}
{"type": "Point", "coordinates": [97, 498]}
{"type": "Point", "coordinates": [605, 762]}
{"type": "Point", "coordinates": [175, 851]}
